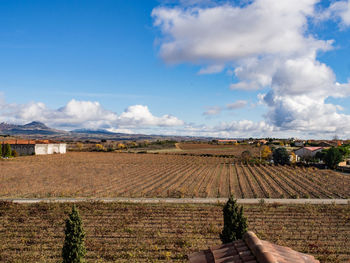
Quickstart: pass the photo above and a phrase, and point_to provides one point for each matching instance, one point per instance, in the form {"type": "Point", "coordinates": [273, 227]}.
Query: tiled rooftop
{"type": "Point", "coordinates": [312, 148]}
{"type": "Point", "coordinates": [21, 141]}
{"type": "Point", "coordinates": [250, 250]}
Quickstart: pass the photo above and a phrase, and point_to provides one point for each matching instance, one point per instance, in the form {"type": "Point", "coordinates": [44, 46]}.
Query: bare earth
{"type": "Point", "coordinates": [162, 175]}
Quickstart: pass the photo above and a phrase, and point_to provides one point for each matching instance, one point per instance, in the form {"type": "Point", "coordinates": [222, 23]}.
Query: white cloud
{"type": "Point", "coordinates": [139, 116]}
{"type": "Point", "coordinates": [213, 111]}
{"type": "Point", "coordinates": [236, 105]}
{"type": "Point", "coordinates": [85, 114]}
{"type": "Point", "coordinates": [229, 33]}
{"type": "Point", "coordinates": [268, 45]}
{"type": "Point", "coordinates": [337, 10]}
{"type": "Point", "coordinates": [234, 129]}
{"type": "Point", "coordinates": [211, 69]}
{"type": "Point", "coordinates": [250, 85]}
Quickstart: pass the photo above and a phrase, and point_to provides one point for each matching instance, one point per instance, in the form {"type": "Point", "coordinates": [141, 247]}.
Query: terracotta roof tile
{"type": "Point", "coordinates": [250, 250]}
{"type": "Point", "coordinates": [21, 141]}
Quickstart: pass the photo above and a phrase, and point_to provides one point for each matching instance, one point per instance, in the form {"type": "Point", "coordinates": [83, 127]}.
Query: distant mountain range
{"type": "Point", "coordinates": [34, 127]}
{"type": "Point", "coordinates": [38, 130]}
{"type": "Point", "coordinates": [97, 131]}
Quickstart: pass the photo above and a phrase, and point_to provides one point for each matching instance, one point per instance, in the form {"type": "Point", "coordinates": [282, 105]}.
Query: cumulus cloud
{"type": "Point", "coordinates": [229, 33]}
{"type": "Point", "coordinates": [268, 45]}
{"type": "Point", "coordinates": [85, 114]}
{"type": "Point", "coordinates": [139, 115]}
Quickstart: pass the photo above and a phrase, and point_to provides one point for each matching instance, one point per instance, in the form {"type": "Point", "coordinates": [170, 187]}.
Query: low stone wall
{"type": "Point", "coordinates": [23, 149]}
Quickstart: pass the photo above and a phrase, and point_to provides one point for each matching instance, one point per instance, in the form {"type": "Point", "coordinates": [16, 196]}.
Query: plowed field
{"type": "Point", "coordinates": [166, 233]}
{"type": "Point", "coordinates": [161, 175]}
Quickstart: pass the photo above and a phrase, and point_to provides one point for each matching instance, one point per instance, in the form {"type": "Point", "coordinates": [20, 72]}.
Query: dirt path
{"type": "Point", "coordinates": [177, 146]}
{"type": "Point", "coordinates": [178, 200]}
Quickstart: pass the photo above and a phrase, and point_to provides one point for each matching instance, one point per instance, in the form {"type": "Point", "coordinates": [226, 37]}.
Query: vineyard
{"type": "Point", "coordinates": [166, 233]}
{"type": "Point", "coordinates": [162, 175]}
{"type": "Point", "coordinates": [234, 151]}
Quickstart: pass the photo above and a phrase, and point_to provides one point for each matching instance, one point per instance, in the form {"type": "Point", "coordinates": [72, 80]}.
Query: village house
{"type": "Point", "coordinates": [308, 152]}
{"type": "Point", "coordinates": [35, 147]}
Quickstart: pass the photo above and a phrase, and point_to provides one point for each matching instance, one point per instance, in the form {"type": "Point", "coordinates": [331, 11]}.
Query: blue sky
{"type": "Point", "coordinates": [166, 67]}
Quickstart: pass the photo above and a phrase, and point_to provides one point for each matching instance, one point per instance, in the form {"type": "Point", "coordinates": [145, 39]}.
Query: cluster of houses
{"type": "Point", "coordinates": [309, 152]}
{"type": "Point", "coordinates": [35, 147]}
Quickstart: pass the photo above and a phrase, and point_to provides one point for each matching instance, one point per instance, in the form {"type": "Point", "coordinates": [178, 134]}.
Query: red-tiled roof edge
{"type": "Point", "coordinates": [266, 252]}
{"type": "Point", "coordinates": [257, 248]}
{"type": "Point", "coordinates": [259, 251]}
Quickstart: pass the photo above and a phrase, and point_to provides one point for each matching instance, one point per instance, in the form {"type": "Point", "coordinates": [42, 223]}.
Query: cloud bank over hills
{"type": "Point", "coordinates": [86, 114]}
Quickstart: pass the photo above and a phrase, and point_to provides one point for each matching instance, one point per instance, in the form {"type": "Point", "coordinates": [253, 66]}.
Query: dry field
{"type": "Point", "coordinates": [214, 149]}
{"type": "Point", "coordinates": [158, 175]}
{"type": "Point", "coordinates": [166, 233]}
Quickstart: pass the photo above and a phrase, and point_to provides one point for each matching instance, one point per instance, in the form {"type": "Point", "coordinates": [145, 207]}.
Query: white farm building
{"type": "Point", "coordinates": [33, 147]}
{"type": "Point", "coordinates": [308, 151]}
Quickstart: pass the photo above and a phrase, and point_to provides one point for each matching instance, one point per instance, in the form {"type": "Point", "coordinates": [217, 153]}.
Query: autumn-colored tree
{"type": "Point", "coordinates": [266, 152]}
{"type": "Point", "coordinates": [121, 146]}
{"type": "Point", "coordinates": [100, 148]}
{"type": "Point", "coordinates": [79, 146]}
{"type": "Point", "coordinates": [293, 158]}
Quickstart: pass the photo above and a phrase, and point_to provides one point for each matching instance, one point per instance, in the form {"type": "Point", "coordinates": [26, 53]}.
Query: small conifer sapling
{"type": "Point", "coordinates": [7, 150]}
{"type": "Point", "coordinates": [74, 248]}
{"type": "Point", "coordinates": [235, 223]}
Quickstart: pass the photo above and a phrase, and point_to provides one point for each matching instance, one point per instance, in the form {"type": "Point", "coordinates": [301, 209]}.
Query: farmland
{"type": "Point", "coordinates": [166, 233]}
{"type": "Point", "coordinates": [234, 151]}
{"type": "Point", "coordinates": [96, 174]}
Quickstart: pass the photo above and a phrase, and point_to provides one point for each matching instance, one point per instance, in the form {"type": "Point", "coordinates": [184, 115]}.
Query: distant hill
{"type": "Point", "coordinates": [33, 128]}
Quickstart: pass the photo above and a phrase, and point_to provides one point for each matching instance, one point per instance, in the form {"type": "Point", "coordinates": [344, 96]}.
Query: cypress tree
{"type": "Point", "coordinates": [74, 248]}
{"type": "Point", "coordinates": [235, 223]}
{"type": "Point", "coordinates": [7, 150]}
{"type": "Point", "coordinates": [1, 150]}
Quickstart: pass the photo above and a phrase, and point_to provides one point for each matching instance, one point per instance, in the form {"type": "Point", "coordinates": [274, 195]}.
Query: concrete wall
{"type": "Point", "coordinates": [23, 149]}
{"type": "Point", "coordinates": [50, 148]}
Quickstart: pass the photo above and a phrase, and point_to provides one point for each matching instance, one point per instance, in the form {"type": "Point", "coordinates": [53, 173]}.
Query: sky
{"type": "Point", "coordinates": [231, 69]}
